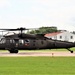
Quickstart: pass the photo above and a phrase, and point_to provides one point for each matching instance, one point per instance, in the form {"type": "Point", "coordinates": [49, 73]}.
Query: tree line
{"type": "Point", "coordinates": [43, 30]}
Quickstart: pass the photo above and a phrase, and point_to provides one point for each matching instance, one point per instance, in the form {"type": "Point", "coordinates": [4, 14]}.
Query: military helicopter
{"type": "Point", "coordinates": [23, 41]}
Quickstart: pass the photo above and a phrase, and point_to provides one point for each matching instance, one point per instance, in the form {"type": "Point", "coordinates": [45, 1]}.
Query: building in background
{"type": "Point", "coordinates": [63, 36]}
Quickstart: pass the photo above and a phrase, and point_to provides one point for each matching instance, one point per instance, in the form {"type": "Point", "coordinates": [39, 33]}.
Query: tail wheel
{"type": "Point", "coordinates": [71, 51]}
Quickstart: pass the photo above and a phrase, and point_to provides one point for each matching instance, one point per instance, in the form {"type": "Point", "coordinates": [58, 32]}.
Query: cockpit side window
{"type": "Point", "coordinates": [2, 41]}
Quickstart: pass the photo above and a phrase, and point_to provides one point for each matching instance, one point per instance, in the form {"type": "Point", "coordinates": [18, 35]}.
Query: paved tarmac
{"type": "Point", "coordinates": [36, 54]}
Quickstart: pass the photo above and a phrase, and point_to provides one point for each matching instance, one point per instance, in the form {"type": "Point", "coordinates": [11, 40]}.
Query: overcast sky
{"type": "Point", "coordinates": [37, 13]}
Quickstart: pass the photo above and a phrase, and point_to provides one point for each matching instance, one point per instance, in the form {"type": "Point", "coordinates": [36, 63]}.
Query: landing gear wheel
{"type": "Point", "coordinates": [13, 51]}
{"type": "Point", "coordinates": [71, 51]}
{"type": "Point", "coordinates": [10, 51]}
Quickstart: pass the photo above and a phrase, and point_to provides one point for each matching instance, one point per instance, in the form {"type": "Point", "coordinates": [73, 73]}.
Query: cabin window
{"type": "Point", "coordinates": [21, 41]}
{"type": "Point", "coordinates": [71, 37]}
{"type": "Point", "coordinates": [11, 41]}
{"type": "Point", "coordinates": [27, 41]}
{"type": "Point", "coordinates": [4, 41]}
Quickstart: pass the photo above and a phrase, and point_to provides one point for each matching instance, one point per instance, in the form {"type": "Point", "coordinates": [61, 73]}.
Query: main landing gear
{"type": "Point", "coordinates": [69, 50]}
{"type": "Point", "coordinates": [13, 50]}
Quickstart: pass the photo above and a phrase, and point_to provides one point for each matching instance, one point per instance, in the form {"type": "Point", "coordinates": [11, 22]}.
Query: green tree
{"type": "Point", "coordinates": [44, 30]}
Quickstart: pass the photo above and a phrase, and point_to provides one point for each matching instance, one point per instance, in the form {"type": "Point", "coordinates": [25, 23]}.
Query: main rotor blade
{"type": "Point", "coordinates": [18, 29]}
{"type": "Point", "coordinates": [2, 31]}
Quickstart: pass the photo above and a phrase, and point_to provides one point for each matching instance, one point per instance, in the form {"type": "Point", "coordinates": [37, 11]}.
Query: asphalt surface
{"type": "Point", "coordinates": [36, 54]}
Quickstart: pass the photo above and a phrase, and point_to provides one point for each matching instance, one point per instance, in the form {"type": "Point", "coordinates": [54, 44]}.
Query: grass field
{"type": "Point", "coordinates": [37, 65]}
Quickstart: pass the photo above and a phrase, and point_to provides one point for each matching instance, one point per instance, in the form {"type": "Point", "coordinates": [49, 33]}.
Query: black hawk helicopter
{"type": "Point", "coordinates": [22, 41]}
